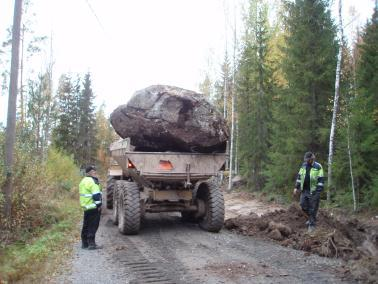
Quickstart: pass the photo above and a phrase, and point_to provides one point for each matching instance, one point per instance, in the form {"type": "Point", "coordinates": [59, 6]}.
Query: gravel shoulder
{"type": "Point", "coordinates": [170, 251]}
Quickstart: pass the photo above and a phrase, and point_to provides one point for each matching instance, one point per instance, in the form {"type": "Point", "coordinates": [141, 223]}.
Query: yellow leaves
{"type": "Point", "coordinates": [275, 56]}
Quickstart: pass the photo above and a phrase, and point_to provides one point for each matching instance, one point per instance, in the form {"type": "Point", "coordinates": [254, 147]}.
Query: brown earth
{"type": "Point", "coordinates": [354, 241]}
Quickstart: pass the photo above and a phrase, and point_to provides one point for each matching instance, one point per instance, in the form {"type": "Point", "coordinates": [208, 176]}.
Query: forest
{"type": "Point", "coordinates": [295, 86]}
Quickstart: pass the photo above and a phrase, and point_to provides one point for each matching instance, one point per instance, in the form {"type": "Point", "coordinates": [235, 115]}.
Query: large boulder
{"type": "Point", "coordinates": [166, 118]}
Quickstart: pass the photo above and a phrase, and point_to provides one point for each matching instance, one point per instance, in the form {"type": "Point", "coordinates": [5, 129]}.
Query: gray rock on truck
{"type": "Point", "coordinates": [154, 182]}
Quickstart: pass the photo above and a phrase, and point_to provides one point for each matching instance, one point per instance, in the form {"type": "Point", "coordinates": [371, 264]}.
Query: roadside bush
{"type": "Point", "coordinates": [45, 211]}
{"type": "Point", "coordinates": [61, 171]}
{"type": "Point", "coordinates": [26, 261]}
{"type": "Point", "coordinates": [39, 186]}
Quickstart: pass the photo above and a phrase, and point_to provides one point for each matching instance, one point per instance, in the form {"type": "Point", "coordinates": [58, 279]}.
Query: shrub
{"type": "Point", "coordinates": [61, 171]}
{"type": "Point", "coordinates": [38, 187]}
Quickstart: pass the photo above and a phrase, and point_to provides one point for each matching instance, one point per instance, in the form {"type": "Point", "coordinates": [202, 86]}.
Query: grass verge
{"type": "Point", "coordinates": [30, 260]}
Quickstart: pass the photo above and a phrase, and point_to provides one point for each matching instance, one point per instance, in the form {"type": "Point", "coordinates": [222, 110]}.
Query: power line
{"type": "Point", "coordinates": [95, 15]}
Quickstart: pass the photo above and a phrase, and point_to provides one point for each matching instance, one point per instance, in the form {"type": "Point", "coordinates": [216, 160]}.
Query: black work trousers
{"type": "Point", "coordinates": [310, 205]}
{"type": "Point", "coordinates": [90, 225]}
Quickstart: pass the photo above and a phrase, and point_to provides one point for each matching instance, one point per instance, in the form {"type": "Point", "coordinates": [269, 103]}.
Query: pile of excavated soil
{"type": "Point", "coordinates": [349, 239]}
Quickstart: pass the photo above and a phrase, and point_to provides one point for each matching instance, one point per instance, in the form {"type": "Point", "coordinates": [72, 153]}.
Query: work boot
{"type": "Point", "coordinates": [311, 228]}
{"type": "Point", "coordinates": [84, 244]}
{"type": "Point", "coordinates": [92, 245]}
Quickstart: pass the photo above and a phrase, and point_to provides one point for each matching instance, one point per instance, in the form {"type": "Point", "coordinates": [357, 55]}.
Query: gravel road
{"type": "Point", "coordinates": [170, 251]}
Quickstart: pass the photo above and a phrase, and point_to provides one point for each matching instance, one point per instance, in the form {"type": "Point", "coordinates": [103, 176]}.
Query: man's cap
{"type": "Point", "coordinates": [89, 168]}
{"type": "Point", "coordinates": [308, 156]}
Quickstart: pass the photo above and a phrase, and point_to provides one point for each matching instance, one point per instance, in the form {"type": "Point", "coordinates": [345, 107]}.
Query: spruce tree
{"type": "Point", "coordinates": [87, 145]}
{"type": "Point", "coordinates": [302, 110]}
{"type": "Point", "coordinates": [65, 133]}
{"type": "Point", "coordinates": [364, 117]}
{"type": "Point", "coordinates": [254, 93]}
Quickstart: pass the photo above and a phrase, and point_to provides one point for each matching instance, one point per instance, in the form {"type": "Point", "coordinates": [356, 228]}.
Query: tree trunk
{"type": "Point", "coordinates": [48, 121]}
{"type": "Point", "coordinates": [354, 193]}
{"type": "Point", "coordinates": [232, 140]}
{"type": "Point", "coordinates": [10, 135]}
{"type": "Point", "coordinates": [234, 96]}
{"type": "Point", "coordinates": [22, 100]}
{"type": "Point", "coordinates": [335, 105]}
{"type": "Point", "coordinates": [350, 166]}
{"type": "Point", "coordinates": [225, 97]}
{"type": "Point", "coordinates": [236, 163]}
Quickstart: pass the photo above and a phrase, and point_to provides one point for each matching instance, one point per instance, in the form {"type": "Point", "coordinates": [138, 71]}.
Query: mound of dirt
{"type": "Point", "coordinates": [348, 239]}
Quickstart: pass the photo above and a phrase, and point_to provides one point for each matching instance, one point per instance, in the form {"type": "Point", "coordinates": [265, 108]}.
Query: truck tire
{"type": "Point", "coordinates": [109, 192]}
{"type": "Point", "coordinates": [210, 194]}
{"type": "Point", "coordinates": [116, 201]}
{"type": "Point", "coordinates": [129, 208]}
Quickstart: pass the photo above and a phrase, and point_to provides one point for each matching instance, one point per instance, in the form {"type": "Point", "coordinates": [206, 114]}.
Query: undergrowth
{"type": "Point", "coordinates": [45, 211]}
{"type": "Point", "coordinates": [26, 258]}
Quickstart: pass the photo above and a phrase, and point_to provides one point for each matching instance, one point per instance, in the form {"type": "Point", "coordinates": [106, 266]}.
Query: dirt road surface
{"type": "Point", "coordinates": [170, 251]}
{"type": "Point", "coordinates": [242, 204]}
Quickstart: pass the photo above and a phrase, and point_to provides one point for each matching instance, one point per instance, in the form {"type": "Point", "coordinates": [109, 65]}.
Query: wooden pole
{"type": "Point", "coordinates": [10, 135]}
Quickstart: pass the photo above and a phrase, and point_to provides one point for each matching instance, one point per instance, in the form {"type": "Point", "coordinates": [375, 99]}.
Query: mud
{"type": "Point", "coordinates": [335, 237]}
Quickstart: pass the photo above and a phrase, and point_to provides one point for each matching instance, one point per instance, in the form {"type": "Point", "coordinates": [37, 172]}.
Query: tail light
{"type": "Point", "coordinates": [165, 165]}
{"type": "Point", "coordinates": [130, 165]}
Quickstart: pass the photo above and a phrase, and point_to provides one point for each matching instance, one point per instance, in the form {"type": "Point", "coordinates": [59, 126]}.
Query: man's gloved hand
{"type": "Point", "coordinates": [97, 199]}
{"type": "Point", "coordinates": [296, 194]}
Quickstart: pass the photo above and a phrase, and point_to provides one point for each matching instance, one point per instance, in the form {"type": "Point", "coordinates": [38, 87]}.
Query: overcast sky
{"type": "Point", "coordinates": [131, 44]}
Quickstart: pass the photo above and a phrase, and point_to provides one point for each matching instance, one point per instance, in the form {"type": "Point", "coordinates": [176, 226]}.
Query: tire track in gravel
{"type": "Point", "coordinates": [170, 251]}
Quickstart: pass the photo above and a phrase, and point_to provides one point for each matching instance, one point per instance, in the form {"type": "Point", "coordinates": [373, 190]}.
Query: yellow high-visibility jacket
{"type": "Point", "coordinates": [90, 193]}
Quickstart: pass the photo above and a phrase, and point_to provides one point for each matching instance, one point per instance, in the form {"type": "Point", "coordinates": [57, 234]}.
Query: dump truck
{"type": "Point", "coordinates": [154, 182]}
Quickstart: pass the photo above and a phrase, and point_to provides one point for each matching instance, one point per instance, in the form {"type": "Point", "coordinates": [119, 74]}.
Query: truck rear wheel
{"type": "Point", "coordinates": [213, 219]}
{"type": "Point", "coordinates": [115, 202]}
{"type": "Point", "coordinates": [129, 213]}
{"type": "Point", "coordinates": [110, 184]}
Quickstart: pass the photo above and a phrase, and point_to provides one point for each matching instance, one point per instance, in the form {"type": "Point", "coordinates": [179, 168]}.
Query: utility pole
{"type": "Point", "coordinates": [10, 135]}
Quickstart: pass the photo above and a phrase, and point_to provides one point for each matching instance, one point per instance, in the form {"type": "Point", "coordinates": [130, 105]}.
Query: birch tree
{"type": "Point", "coordinates": [335, 103]}
{"type": "Point", "coordinates": [233, 162]}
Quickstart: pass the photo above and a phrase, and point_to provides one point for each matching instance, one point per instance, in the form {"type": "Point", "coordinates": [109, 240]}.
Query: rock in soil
{"type": "Point", "coordinates": [348, 239]}
{"type": "Point", "coordinates": [165, 118]}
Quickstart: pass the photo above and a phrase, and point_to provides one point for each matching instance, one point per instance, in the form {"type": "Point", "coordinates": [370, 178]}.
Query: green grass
{"type": "Point", "coordinates": [30, 259]}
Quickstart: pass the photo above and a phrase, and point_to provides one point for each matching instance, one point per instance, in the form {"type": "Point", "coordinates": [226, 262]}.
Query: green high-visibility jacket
{"type": "Point", "coordinates": [90, 193]}
{"type": "Point", "coordinates": [316, 177]}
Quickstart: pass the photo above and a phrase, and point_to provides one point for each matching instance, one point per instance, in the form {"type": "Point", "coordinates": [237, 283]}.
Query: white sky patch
{"type": "Point", "coordinates": [134, 44]}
